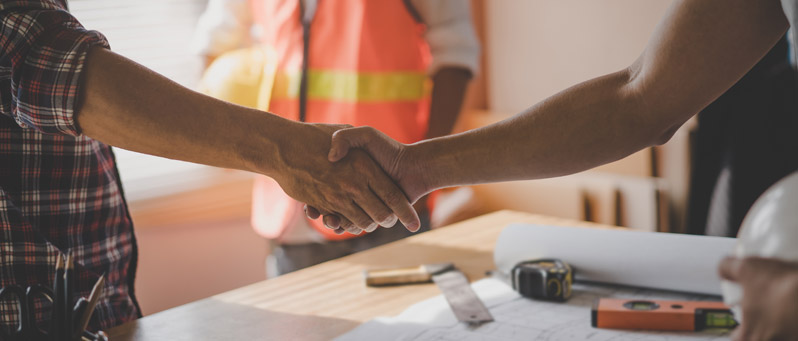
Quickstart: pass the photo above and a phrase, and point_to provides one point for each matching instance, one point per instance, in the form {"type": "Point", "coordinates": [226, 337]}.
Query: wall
{"type": "Point", "coordinates": [196, 244]}
{"type": "Point", "coordinates": [539, 47]}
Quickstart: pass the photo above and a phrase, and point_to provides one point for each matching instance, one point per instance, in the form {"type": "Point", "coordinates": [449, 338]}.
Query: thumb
{"type": "Point", "coordinates": [345, 139]}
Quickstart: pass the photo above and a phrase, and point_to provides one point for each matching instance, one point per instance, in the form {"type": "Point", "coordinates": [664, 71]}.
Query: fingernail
{"type": "Point", "coordinates": [391, 221]}
{"type": "Point", "coordinates": [372, 227]}
{"type": "Point", "coordinates": [328, 225]}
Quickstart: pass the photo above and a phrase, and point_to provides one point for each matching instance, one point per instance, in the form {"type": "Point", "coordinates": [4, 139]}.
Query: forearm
{"type": "Point", "coordinates": [593, 123]}
{"type": "Point", "coordinates": [449, 88]}
{"type": "Point", "coordinates": [699, 50]}
{"type": "Point", "coordinates": [137, 109]}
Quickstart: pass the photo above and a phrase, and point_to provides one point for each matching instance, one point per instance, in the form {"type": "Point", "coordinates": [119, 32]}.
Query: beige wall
{"type": "Point", "coordinates": [539, 47]}
{"type": "Point", "coordinates": [196, 244]}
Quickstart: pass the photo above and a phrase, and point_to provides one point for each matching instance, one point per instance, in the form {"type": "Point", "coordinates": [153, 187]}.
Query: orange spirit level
{"type": "Point", "coordinates": [661, 315]}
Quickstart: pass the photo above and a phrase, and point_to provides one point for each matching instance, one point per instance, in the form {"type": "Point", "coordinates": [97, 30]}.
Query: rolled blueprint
{"type": "Point", "coordinates": [678, 262]}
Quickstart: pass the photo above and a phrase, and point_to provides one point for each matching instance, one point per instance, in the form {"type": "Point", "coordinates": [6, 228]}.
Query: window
{"type": "Point", "coordinates": [156, 34]}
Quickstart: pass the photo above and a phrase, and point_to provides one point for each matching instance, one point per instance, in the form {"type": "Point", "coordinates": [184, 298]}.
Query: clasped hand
{"type": "Point", "coordinates": [393, 158]}
{"type": "Point", "coordinates": [354, 193]}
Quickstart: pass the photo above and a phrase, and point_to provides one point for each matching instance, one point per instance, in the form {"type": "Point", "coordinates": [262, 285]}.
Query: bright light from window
{"type": "Point", "coordinates": [156, 34]}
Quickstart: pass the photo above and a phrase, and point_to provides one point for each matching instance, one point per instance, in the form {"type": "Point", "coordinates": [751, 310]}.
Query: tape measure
{"type": "Point", "coordinates": [543, 279]}
{"type": "Point", "coordinates": [661, 315]}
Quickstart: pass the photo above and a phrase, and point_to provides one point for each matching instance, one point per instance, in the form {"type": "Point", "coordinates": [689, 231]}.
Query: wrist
{"type": "Point", "coordinates": [262, 146]}
{"type": "Point", "coordinates": [420, 162]}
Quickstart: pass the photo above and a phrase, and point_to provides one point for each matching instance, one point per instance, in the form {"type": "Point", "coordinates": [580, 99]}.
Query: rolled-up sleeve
{"type": "Point", "coordinates": [450, 33]}
{"type": "Point", "coordinates": [43, 50]}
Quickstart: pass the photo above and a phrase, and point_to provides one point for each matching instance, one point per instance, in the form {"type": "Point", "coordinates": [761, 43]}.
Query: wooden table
{"type": "Point", "coordinates": [329, 299]}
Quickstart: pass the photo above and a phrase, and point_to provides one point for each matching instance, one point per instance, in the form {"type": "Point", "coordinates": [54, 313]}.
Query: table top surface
{"type": "Point", "coordinates": [329, 299]}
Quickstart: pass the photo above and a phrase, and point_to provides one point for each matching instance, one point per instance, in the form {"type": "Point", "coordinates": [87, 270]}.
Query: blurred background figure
{"type": "Point", "coordinates": [744, 142]}
{"type": "Point", "coordinates": [399, 66]}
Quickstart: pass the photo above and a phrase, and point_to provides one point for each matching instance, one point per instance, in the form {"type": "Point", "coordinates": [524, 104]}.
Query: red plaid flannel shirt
{"type": "Point", "coordinates": [59, 190]}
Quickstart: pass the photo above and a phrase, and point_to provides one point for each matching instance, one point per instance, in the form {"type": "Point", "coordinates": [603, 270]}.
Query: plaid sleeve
{"type": "Point", "coordinates": [45, 49]}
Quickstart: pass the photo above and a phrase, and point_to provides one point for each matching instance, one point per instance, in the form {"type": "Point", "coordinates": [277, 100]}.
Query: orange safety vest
{"type": "Point", "coordinates": [366, 65]}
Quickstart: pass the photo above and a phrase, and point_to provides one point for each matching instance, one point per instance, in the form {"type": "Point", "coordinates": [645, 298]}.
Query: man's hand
{"type": "Point", "coordinates": [356, 188]}
{"type": "Point", "coordinates": [394, 157]}
{"type": "Point", "coordinates": [770, 297]}
{"type": "Point", "coordinates": [391, 155]}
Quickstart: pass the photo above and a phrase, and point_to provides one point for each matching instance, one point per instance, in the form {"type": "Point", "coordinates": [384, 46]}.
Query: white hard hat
{"type": "Point", "coordinates": [770, 229]}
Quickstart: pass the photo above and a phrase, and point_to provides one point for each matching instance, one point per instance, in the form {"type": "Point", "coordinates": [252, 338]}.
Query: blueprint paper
{"type": "Point", "coordinates": [519, 318]}
{"type": "Point", "coordinates": [667, 261]}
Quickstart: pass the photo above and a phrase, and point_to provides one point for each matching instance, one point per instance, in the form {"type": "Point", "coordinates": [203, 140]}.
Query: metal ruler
{"type": "Point", "coordinates": [464, 302]}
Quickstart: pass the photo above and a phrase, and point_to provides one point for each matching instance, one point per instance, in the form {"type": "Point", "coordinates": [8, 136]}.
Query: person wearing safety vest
{"type": "Point", "coordinates": [400, 66]}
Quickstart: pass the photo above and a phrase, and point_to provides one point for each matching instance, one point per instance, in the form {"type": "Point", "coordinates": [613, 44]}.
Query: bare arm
{"type": "Point", "coordinates": [129, 106]}
{"type": "Point", "coordinates": [699, 50]}
{"type": "Point", "coordinates": [448, 92]}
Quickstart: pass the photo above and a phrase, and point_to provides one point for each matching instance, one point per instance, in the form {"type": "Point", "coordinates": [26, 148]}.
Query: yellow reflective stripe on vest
{"type": "Point", "coordinates": [350, 86]}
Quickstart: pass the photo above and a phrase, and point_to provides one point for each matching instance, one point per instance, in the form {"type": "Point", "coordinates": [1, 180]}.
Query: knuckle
{"type": "Point", "coordinates": [343, 134]}
{"type": "Point", "coordinates": [354, 188]}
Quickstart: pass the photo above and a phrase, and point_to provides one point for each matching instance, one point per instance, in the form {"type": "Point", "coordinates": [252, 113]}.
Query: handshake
{"type": "Point", "coordinates": [353, 191]}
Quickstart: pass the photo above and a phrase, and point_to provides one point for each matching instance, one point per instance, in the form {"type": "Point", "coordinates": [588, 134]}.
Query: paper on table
{"type": "Point", "coordinates": [642, 259]}
{"type": "Point", "coordinates": [518, 318]}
